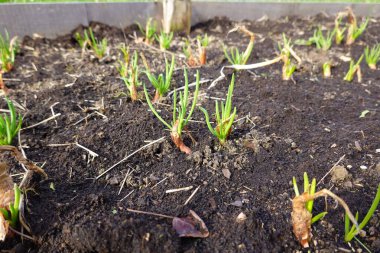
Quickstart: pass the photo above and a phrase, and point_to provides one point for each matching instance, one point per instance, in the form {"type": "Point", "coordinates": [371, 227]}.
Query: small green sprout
{"type": "Point", "coordinates": [225, 119]}
{"type": "Point", "coordinates": [179, 121]}
{"type": "Point", "coordinates": [150, 30]}
{"type": "Point", "coordinates": [321, 41]}
{"type": "Point", "coordinates": [326, 69]}
{"type": "Point", "coordinates": [202, 45]}
{"type": "Point", "coordinates": [8, 50]}
{"type": "Point", "coordinates": [187, 51]}
{"type": "Point", "coordinates": [351, 231]}
{"type": "Point", "coordinates": [339, 33]}
{"type": "Point", "coordinates": [353, 31]}
{"type": "Point", "coordinates": [372, 56]}
{"type": "Point", "coordinates": [162, 82]}
{"type": "Point", "coordinates": [89, 40]}
{"type": "Point", "coordinates": [124, 64]}
{"type": "Point", "coordinates": [82, 40]}
{"type": "Point", "coordinates": [9, 125]}
{"type": "Point", "coordinates": [131, 81]}
{"type": "Point", "coordinates": [286, 51]}
{"type": "Point", "coordinates": [11, 215]}
{"type": "Point", "coordinates": [237, 58]}
{"type": "Point", "coordinates": [99, 47]}
{"type": "Point", "coordinates": [310, 189]}
{"type": "Point", "coordinates": [354, 69]}
{"type": "Point", "coordinates": [164, 39]}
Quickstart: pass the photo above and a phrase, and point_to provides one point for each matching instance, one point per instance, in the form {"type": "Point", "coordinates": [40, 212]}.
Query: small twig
{"type": "Point", "coordinates": [191, 196]}
{"type": "Point", "coordinates": [125, 180]}
{"type": "Point", "coordinates": [150, 213]}
{"type": "Point", "coordinates": [42, 122]}
{"type": "Point", "coordinates": [126, 196]}
{"type": "Point", "coordinates": [21, 234]}
{"type": "Point", "coordinates": [22, 150]}
{"type": "Point", "coordinates": [79, 121]}
{"type": "Point", "coordinates": [92, 153]}
{"type": "Point", "coordinates": [159, 182]}
{"type": "Point", "coordinates": [190, 85]}
{"type": "Point", "coordinates": [340, 159]}
{"type": "Point", "coordinates": [179, 189]}
{"type": "Point", "coordinates": [128, 156]}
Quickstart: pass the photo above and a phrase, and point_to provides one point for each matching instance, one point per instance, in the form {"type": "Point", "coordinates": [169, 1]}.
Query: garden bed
{"type": "Point", "coordinates": [284, 128]}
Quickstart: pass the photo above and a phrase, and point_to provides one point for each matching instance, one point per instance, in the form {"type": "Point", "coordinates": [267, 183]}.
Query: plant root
{"type": "Point", "coordinates": [301, 217]}
{"type": "Point", "coordinates": [20, 158]}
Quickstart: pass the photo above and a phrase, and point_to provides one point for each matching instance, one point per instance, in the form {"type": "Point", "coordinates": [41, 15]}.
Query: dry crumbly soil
{"type": "Point", "coordinates": [284, 128]}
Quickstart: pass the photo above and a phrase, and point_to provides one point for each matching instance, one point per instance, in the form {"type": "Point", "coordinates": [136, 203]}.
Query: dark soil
{"type": "Point", "coordinates": [285, 129]}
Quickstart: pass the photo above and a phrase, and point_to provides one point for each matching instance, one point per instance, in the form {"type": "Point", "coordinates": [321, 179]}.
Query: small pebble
{"type": "Point", "coordinates": [349, 166]}
{"type": "Point", "coordinates": [378, 150]}
{"type": "Point", "coordinates": [334, 145]}
{"type": "Point", "coordinates": [241, 218]}
{"type": "Point", "coordinates": [327, 130]}
{"type": "Point", "coordinates": [339, 173]}
{"type": "Point", "coordinates": [363, 167]}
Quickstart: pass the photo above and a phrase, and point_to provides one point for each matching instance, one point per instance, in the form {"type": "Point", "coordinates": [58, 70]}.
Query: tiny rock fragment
{"type": "Point", "coordinates": [363, 167]}
{"type": "Point", "coordinates": [190, 226]}
{"type": "Point", "coordinates": [339, 173]}
{"type": "Point", "coordinates": [241, 218]}
{"type": "Point", "coordinates": [226, 173]}
{"type": "Point", "coordinates": [333, 145]}
{"type": "Point", "coordinates": [345, 58]}
{"type": "Point", "coordinates": [237, 203]}
{"type": "Point", "coordinates": [378, 168]}
{"type": "Point", "coordinates": [378, 150]}
{"type": "Point", "coordinates": [327, 129]}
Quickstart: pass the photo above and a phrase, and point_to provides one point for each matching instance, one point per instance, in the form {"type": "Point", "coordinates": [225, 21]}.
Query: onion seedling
{"type": "Point", "coordinates": [11, 215]}
{"type": "Point", "coordinates": [326, 69]}
{"type": "Point", "coordinates": [202, 45]}
{"type": "Point", "coordinates": [353, 31]}
{"type": "Point", "coordinates": [180, 119]}
{"type": "Point", "coordinates": [99, 47]}
{"type": "Point", "coordinates": [288, 68]}
{"type": "Point", "coordinates": [225, 119]}
{"type": "Point", "coordinates": [150, 30]}
{"type": "Point", "coordinates": [372, 56]}
{"type": "Point", "coordinates": [89, 40]}
{"type": "Point", "coordinates": [302, 218]}
{"type": "Point", "coordinates": [309, 189]}
{"type": "Point", "coordinates": [235, 57]}
{"type": "Point", "coordinates": [161, 82]}
{"type": "Point", "coordinates": [9, 125]}
{"type": "Point", "coordinates": [131, 81]}
{"type": "Point", "coordinates": [339, 33]}
{"type": "Point", "coordinates": [321, 41]}
{"type": "Point", "coordinates": [124, 64]}
{"type": "Point", "coordinates": [351, 231]}
{"type": "Point", "coordinates": [8, 50]}
{"type": "Point", "coordinates": [164, 39]}
{"type": "Point", "coordinates": [191, 60]}
{"type": "Point", "coordinates": [354, 69]}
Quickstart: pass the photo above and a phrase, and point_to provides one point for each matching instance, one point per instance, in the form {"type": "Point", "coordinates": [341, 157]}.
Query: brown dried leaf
{"type": "Point", "coordinates": [4, 226]}
{"type": "Point", "coordinates": [6, 186]}
{"type": "Point", "coordinates": [6, 197]}
{"type": "Point", "coordinates": [190, 226]}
